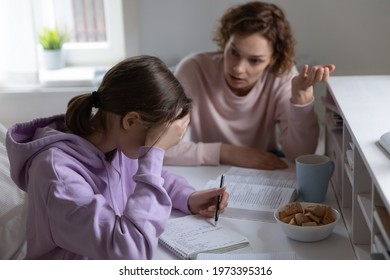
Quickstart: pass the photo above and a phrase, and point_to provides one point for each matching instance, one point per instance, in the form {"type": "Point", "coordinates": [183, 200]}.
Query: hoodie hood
{"type": "Point", "coordinates": [25, 140]}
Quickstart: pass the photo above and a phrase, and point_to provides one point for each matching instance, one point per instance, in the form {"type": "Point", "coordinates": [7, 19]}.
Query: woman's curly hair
{"type": "Point", "coordinates": [266, 19]}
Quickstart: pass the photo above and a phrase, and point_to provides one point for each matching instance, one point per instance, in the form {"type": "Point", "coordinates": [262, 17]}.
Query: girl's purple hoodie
{"type": "Point", "coordinates": [81, 206]}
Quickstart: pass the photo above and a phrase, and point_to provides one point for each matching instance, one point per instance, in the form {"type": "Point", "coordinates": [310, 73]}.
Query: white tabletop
{"type": "Point", "coordinates": [267, 237]}
{"type": "Point", "coordinates": [365, 103]}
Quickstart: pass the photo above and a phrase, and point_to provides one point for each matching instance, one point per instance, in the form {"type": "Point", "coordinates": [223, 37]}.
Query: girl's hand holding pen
{"type": "Point", "coordinates": [217, 210]}
{"type": "Point", "coordinates": [204, 202]}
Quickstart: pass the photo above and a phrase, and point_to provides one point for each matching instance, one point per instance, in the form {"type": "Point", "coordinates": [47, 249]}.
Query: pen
{"type": "Point", "coordinates": [219, 200]}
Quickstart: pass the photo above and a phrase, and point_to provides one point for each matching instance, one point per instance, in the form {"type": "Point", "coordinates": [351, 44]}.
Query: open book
{"type": "Point", "coordinates": [190, 235]}
{"type": "Point", "coordinates": [256, 194]}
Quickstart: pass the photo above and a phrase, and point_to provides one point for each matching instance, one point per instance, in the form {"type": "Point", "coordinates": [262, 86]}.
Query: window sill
{"type": "Point", "coordinates": [72, 77]}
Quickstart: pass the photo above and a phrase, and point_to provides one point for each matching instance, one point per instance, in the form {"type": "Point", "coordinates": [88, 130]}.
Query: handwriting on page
{"type": "Point", "coordinates": [201, 236]}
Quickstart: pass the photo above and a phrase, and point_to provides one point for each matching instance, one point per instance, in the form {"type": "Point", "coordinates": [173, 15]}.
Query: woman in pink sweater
{"type": "Point", "coordinates": [246, 91]}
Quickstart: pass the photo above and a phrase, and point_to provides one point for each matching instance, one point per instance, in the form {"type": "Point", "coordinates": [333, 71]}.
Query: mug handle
{"type": "Point", "coordinates": [331, 168]}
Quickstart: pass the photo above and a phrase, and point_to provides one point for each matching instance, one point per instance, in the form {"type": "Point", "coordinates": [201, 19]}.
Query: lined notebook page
{"type": "Point", "coordinates": [190, 235]}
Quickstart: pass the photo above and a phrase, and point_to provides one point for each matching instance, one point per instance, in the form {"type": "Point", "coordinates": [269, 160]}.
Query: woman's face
{"type": "Point", "coordinates": [245, 59]}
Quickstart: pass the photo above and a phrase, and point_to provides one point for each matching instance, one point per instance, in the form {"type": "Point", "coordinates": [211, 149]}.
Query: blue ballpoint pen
{"type": "Point", "coordinates": [219, 200]}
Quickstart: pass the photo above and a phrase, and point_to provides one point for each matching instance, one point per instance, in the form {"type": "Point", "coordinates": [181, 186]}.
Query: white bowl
{"type": "Point", "coordinates": [307, 233]}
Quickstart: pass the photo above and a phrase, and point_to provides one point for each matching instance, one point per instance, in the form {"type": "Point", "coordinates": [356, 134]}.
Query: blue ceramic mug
{"type": "Point", "coordinates": [313, 176]}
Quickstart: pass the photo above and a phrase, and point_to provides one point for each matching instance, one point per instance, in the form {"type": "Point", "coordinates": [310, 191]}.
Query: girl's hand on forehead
{"type": "Point", "coordinates": [167, 135]}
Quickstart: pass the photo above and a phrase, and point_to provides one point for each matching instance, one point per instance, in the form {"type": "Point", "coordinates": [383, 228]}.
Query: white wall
{"type": "Point", "coordinates": [353, 34]}
{"type": "Point", "coordinates": [24, 105]}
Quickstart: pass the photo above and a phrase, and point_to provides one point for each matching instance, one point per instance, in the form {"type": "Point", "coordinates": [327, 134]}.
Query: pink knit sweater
{"type": "Point", "coordinates": [219, 116]}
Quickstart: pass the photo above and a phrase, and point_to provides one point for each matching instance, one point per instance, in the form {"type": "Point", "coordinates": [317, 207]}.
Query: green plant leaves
{"type": "Point", "coordinates": [51, 39]}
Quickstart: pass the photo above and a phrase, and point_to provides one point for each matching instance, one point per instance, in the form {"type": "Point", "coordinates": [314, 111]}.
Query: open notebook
{"type": "Point", "coordinates": [190, 235]}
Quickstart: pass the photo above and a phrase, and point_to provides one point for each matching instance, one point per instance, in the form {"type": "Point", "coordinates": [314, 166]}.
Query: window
{"type": "Point", "coordinates": [89, 21]}
{"type": "Point", "coordinates": [98, 40]}
{"type": "Point", "coordinates": [92, 41]}
{"type": "Point", "coordinates": [84, 20]}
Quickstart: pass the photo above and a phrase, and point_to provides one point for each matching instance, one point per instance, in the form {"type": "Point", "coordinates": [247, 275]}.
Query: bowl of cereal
{"type": "Point", "coordinates": [307, 222]}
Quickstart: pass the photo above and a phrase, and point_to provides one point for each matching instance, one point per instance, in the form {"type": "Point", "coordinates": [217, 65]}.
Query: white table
{"type": "Point", "coordinates": [363, 184]}
{"type": "Point", "coordinates": [267, 237]}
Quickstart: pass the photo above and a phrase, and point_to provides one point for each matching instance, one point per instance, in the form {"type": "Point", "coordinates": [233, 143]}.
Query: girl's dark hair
{"type": "Point", "coordinates": [142, 84]}
{"type": "Point", "coordinates": [266, 19]}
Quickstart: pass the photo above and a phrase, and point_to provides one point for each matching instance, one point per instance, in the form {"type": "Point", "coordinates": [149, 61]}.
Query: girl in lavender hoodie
{"type": "Point", "coordinates": [94, 176]}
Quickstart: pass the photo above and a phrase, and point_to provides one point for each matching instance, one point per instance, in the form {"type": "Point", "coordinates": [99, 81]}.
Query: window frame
{"type": "Point", "coordinates": [96, 53]}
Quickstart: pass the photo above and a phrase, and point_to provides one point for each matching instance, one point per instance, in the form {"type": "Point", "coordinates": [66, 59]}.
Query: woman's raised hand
{"type": "Point", "coordinates": [302, 84]}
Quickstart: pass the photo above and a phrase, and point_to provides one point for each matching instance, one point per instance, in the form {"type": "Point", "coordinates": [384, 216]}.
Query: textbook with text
{"type": "Point", "coordinates": [256, 194]}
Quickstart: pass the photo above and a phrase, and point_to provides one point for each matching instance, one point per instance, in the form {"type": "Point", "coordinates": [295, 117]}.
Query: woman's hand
{"type": "Point", "coordinates": [302, 84]}
{"type": "Point", "coordinates": [167, 135]}
{"type": "Point", "coordinates": [250, 158]}
{"type": "Point", "coordinates": [204, 202]}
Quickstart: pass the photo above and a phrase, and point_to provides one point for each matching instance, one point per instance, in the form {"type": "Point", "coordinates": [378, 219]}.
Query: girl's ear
{"type": "Point", "coordinates": [129, 120]}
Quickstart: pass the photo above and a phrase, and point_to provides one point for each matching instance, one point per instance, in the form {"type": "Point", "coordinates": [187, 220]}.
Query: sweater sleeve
{"type": "Point", "coordinates": [179, 190]}
{"type": "Point", "coordinates": [302, 134]}
{"type": "Point", "coordinates": [188, 152]}
{"type": "Point", "coordinates": [193, 154]}
{"type": "Point", "coordinates": [299, 129]}
{"type": "Point", "coordinates": [83, 222]}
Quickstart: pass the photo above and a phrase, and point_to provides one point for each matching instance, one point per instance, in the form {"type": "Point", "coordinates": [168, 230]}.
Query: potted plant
{"type": "Point", "coordinates": [51, 40]}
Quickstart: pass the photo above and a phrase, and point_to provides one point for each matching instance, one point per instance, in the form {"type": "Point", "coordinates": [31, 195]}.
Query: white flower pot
{"type": "Point", "coordinates": [52, 59]}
